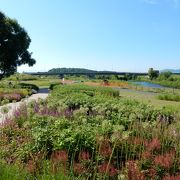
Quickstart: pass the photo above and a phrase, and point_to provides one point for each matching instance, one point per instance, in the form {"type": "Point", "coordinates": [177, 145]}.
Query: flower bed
{"type": "Point", "coordinates": [12, 95]}
{"type": "Point", "coordinates": [91, 133]}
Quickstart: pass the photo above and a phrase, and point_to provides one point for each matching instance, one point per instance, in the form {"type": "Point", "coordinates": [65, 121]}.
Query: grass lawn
{"type": "Point", "coordinates": [149, 98]}
{"type": "Point", "coordinates": [42, 83]}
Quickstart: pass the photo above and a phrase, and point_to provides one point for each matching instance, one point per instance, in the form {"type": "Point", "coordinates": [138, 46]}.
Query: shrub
{"type": "Point", "coordinates": [28, 86]}
{"type": "Point", "coordinates": [51, 87]}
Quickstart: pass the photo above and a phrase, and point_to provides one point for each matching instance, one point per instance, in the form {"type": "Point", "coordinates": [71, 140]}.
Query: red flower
{"type": "Point", "coordinates": [165, 161]}
{"type": "Point", "coordinates": [137, 141]}
{"type": "Point", "coordinates": [152, 173]}
{"type": "Point", "coordinates": [154, 144]}
{"type": "Point", "coordinates": [168, 177]}
{"type": "Point", "coordinates": [31, 166]}
{"type": "Point", "coordinates": [59, 156]}
{"type": "Point", "coordinates": [146, 155]}
{"type": "Point", "coordinates": [79, 168]}
{"type": "Point", "coordinates": [133, 171]}
{"type": "Point", "coordinates": [105, 148]}
{"type": "Point", "coordinates": [84, 155]}
{"type": "Point", "coordinates": [108, 169]}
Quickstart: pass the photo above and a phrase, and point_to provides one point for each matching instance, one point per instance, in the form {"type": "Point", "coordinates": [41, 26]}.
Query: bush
{"type": "Point", "coordinates": [165, 75]}
{"type": "Point", "coordinates": [28, 86]}
{"type": "Point", "coordinates": [51, 87]}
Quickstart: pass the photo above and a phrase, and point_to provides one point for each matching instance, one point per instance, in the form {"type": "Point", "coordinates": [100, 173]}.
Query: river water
{"type": "Point", "coordinates": [147, 84]}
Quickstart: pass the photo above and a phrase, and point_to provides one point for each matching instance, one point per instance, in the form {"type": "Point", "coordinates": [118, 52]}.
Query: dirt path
{"type": "Point", "coordinates": [11, 107]}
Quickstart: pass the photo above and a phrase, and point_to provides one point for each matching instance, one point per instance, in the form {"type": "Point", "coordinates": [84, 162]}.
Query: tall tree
{"type": "Point", "coordinates": [153, 74]}
{"type": "Point", "coordinates": [14, 44]}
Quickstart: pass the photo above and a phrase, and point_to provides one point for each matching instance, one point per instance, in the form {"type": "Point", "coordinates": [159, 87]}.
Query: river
{"type": "Point", "coordinates": [147, 84]}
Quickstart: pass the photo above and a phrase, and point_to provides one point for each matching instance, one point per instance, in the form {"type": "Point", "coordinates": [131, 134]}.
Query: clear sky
{"type": "Point", "coordinates": [118, 35]}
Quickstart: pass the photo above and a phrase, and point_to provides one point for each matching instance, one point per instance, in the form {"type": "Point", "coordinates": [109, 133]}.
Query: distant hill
{"type": "Point", "coordinates": [71, 70]}
{"type": "Point", "coordinates": [171, 70]}
{"type": "Point", "coordinates": [82, 70]}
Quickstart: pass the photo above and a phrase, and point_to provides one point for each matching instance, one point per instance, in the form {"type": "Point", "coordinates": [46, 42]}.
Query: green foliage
{"type": "Point", "coordinates": [130, 77]}
{"type": "Point", "coordinates": [51, 87]}
{"type": "Point", "coordinates": [21, 77]}
{"type": "Point", "coordinates": [14, 44]}
{"type": "Point", "coordinates": [70, 70]}
{"type": "Point", "coordinates": [12, 92]}
{"type": "Point", "coordinates": [12, 172]}
{"type": "Point", "coordinates": [91, 133]}
{"type": "Point", "coordinates": [165, 75]}
{"type": "Point", "coordinates": [169, 97]}
{"type": "Point", "coordinates": [166, 79]}
{"type": "Point", "coordinates": [153, 74]}
{"type": "Point", "coordinates": [28, 86]}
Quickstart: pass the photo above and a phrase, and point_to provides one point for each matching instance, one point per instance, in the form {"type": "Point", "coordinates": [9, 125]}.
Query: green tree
{"type": "Point", "coordinates": [165, 75]}
{"type": "Point", "coordinates": [14, 44]}
{"type": "Point", "coordinates": [153, 74]}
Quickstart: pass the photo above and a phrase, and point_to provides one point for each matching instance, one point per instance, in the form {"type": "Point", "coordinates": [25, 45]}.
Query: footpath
{"type": "Point", "coordinates": [6, 111]}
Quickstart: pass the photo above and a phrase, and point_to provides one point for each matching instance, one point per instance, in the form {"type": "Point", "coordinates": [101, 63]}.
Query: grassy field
{"type": "Point", "coordinates": [142, 94]}
{"type": "Point", "coordinates": [149, 98]}
{"type": "Point", "coordinates": [42, 83]}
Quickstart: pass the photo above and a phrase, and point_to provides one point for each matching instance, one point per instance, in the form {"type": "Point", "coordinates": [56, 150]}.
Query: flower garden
{"type": "Point", "coordinates": [85, 132]}
{"type": "Point", "coordinates": [11, 91]}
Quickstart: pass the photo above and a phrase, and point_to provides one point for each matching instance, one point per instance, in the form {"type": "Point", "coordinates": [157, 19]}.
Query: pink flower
{"type": "Point", "coordinates": [105, 148]}
{"type": "Point", "coordinates": [78, 168]}
{"type": "Point", "coordinates": [168, 177]}
{"type": "Point", "coordinates": [108, 169]}
{"type": "Point", "coordinates": [154, 144]}
{"type": "Point", "coordinates": [165, 160]}
{"type": "Point", "coordinates": [59, 156]}
{"type": "Point", "coordinates": [133, 171]}
{"type": "Point", "coordinates": [146, 155]}
{"type": "Point", "coordinates": [84, 155]}
{"type": "Point", "coordinates": [137, 141]}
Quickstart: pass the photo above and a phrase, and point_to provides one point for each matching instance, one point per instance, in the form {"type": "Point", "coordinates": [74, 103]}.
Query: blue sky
{"type": "Point", "coordinates": [118, 35]}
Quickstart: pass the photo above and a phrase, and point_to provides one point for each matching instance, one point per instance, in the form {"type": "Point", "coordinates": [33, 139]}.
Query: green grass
{"type": "Point", "coordinates": [42, 83]}
{"type": "Point", "coordinates": [150, 99]}
{"type": "Point", "coordinates": [169, 97]}
{"type": "Point", "coordinates": [12, 172]}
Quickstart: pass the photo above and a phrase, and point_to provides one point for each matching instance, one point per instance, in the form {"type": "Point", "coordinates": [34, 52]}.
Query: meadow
{"type": "Point", "coordinates": [90, 132]}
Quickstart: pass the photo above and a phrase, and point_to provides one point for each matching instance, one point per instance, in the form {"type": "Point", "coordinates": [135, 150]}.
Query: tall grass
{"type": "Point", "coordinates": [169, 97]}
